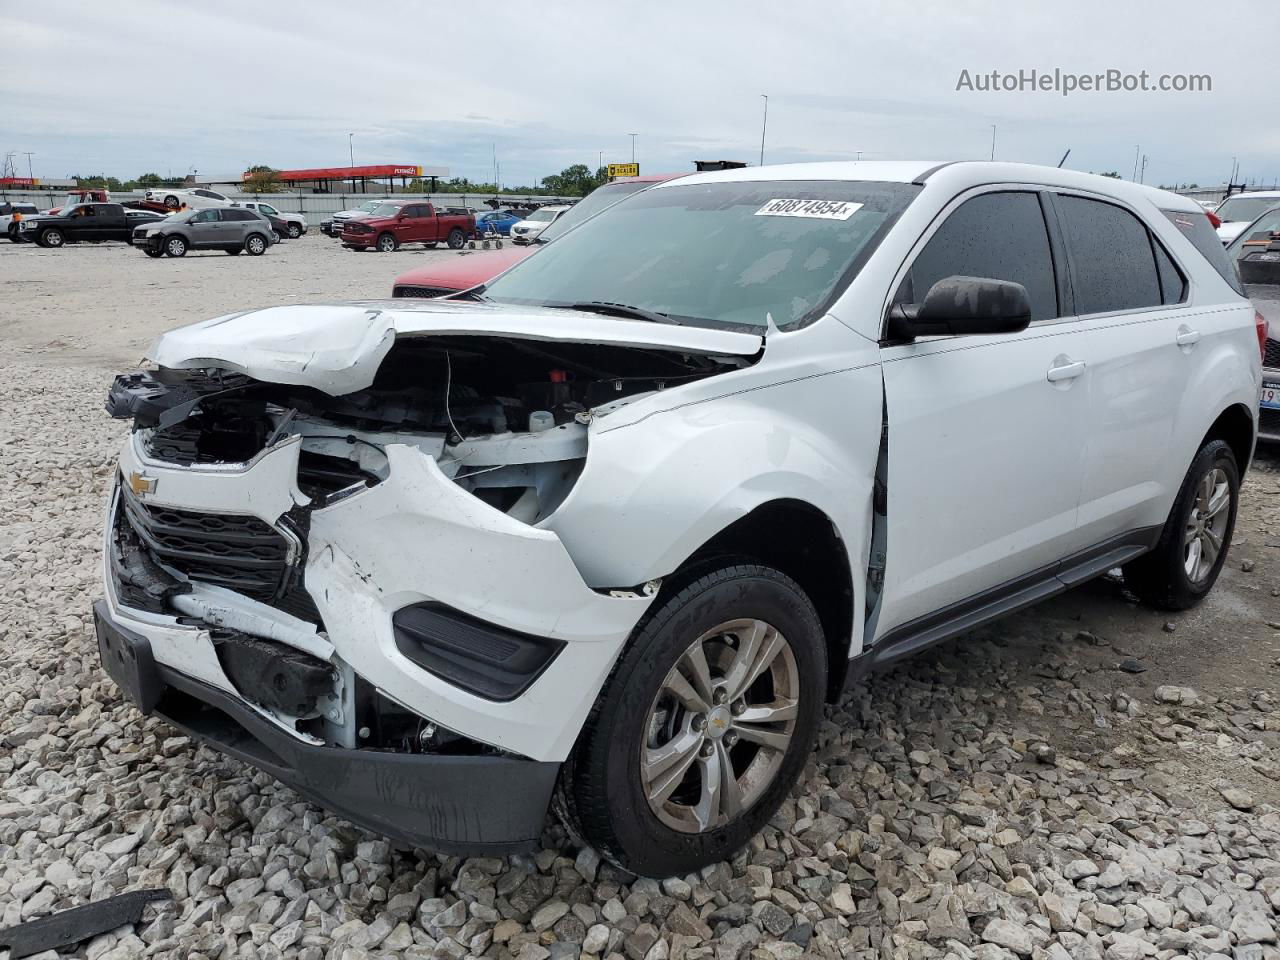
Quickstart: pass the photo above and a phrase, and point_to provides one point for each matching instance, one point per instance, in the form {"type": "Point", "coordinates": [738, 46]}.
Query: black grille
{"type": "Point", "coordinates": [410, 291]}
{"type": "Point", "coordinates": [243, 554]}
{"type": "Point", "coordinates": [1269, 423]}
{"type": "Point", "coordinates": [1271, 358]}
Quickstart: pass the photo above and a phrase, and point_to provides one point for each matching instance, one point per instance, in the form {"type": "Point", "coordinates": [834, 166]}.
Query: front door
{"type": "Point", "coordinates": [205, 228]}
{"type": "Point", "coordinates": [985, 431]}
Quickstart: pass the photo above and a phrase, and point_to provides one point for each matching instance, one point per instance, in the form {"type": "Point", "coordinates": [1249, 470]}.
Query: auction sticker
{"type": "Point", "coordinates": [814, 209]}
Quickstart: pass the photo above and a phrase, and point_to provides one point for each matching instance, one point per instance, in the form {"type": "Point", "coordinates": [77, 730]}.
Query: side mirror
{"type": "Point", "coordinates": [963, 305]}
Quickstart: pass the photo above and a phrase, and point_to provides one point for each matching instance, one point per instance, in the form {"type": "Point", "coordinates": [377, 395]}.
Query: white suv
{"type": "Point", "coordinates": [616, 532]}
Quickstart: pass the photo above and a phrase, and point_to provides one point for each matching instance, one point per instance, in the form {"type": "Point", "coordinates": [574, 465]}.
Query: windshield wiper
{"type": "Point", "coordinates": [621, 310]}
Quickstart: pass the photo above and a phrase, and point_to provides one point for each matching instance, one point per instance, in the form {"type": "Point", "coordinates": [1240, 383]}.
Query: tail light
{"type": "Point", "coordinates": [1260, 325]}
{"type": "Point", "coordinates": [1215, 221]}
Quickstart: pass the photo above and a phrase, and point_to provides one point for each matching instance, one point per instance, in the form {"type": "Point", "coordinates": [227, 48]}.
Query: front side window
{"type": "Point", "coordinates": [268, 208]}
{"type": "Point", "coordinates": [1000, 236]}
{"type": "Point", "coordinates": [1113, 266]}
{"type": "Point", "coordinates": [715, 254]}
{"type": "Point", "coordinates": [205, 216]}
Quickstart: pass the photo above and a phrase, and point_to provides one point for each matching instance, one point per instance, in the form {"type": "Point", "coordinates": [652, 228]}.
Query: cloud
{"type": "Point", "coordinates": [161, 86]}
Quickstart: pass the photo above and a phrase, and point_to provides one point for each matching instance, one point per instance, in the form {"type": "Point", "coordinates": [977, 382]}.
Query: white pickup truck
{"type": "Point", "coordinates": [295, 223]}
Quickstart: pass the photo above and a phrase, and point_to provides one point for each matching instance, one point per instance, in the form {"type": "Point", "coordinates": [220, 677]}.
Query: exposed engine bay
{"type": "Point", "coordinates": [506, 419]}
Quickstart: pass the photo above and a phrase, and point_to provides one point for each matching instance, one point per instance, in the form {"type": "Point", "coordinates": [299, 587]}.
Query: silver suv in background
{"type": "Point", "coordinates": [232, 229]}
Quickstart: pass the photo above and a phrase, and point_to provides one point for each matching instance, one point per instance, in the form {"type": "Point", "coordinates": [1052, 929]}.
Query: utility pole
{"type": "Point", "coordinates": [993, 141]}
{"type": "Point", "coordinates": [30, 175]}
{"type": "Point", "coordinates": [764, 125]}
{"type": "Point", "coordinates": [1142, 173]}
{"type": "Point", "coordinates": [1136, 148]}
{"type": "Point", "coordinates": [633, 147]}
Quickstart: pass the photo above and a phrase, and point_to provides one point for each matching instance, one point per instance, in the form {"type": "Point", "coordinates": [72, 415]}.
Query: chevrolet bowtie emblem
{"type": "Point", "coordinates": [141, 484]}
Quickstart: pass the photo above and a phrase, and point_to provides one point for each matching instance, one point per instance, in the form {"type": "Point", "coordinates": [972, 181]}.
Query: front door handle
{"type": "Point", "coordinates": [1187, 337]}
{"type": "Point", "coordinates": [1065, 369]}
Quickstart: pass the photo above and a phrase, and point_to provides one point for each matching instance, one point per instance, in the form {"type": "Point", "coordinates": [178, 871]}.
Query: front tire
{"type": "Point", "coordinates": [703, 726]}
{"type": "Point", "coordinates": [171, 202]}
{"type": "Point", "coordinates": [1193, 546]}
{"type": "Point", "coordinates": [255, 244]}
{"type": "Point", "coordinates": [386, 243]}
{"type": "Point", "coordinates": [175, 247]}
{"type": "Point", "coordinates": [456, 239]}
{"type": "Point", "coordinates": [52, 238]}
{"type": "Point", "coordinates": [295, 231]}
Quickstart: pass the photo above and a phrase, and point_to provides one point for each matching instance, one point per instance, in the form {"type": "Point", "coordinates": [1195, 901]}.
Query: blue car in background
{"type": "Point", "coordinates": [500, 220]}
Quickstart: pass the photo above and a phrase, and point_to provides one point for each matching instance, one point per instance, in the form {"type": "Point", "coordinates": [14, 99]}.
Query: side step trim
{"type": "Point", "coordinates": [964, 615]}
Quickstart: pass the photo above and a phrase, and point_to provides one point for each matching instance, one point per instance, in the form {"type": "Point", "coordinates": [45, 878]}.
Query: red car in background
{"type": "Point", "coordinates": [398, 222]}
{"type": "Point", "coordinates": [472, 268]}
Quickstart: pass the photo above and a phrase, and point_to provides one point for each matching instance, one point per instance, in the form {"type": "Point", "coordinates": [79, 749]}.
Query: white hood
{"type": "Point", "coordinates": [337, 348]}
{"type": "Point", "coordinates": [1231, 229]}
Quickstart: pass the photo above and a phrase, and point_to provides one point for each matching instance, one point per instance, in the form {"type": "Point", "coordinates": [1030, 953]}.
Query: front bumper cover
{"type": "Point", "coordinates": [453, 804]}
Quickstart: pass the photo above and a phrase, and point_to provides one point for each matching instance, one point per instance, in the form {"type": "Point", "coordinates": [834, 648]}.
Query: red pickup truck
{"type": "Point", "coordinates": [398, 222]}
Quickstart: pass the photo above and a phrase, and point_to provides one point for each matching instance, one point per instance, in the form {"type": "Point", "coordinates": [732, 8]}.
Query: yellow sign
{"type": "Point", "coordinates": [623, 170]}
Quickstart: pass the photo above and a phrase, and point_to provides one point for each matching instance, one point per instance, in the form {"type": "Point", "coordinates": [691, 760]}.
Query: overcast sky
{"type": "Point", "coordinates": [139, 86]}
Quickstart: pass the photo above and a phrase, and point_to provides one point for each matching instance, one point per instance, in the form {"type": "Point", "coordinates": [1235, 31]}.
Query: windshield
{"type": "Point", "coordinates": [1245, 208]}
{"type": "Point", "coordinates": [386, 210]}
{"type": "Point", "coordinates": [370, 205]}
{"type": "Point", "coordinates": [601, 198]}
{"type": "Point", "coordinates": [542, 216]}
{"type": "Point", "coordinates": [727, 253]}
{"type": "Point", "coordinates": [1257, 235]}
{"type": "Point", "coordinates": [267, 208]}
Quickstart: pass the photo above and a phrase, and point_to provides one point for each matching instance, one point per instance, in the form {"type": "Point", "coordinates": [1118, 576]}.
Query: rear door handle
{"type": "Point", "coordinates": [1064, 369]}
{"type": "Point", "coordinates": [1187, 337]}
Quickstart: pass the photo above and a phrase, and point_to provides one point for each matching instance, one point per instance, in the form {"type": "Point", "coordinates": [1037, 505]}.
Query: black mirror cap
{"type": "Point", "coordinates": [964, 305]}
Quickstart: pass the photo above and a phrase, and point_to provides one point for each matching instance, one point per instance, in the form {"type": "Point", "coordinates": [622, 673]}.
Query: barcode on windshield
{"type": "Point", "coordinates": [815, 209]}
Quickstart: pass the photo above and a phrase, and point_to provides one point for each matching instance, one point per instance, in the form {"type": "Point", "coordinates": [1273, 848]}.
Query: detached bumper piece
{"type": "Point", "coordinates": [70, 927]}
{"type": "Point", "coordinates": [491, 804]}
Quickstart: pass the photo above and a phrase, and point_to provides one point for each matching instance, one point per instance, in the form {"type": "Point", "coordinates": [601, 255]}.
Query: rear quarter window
{"type": "Point", "coordinates": [1196, 228]}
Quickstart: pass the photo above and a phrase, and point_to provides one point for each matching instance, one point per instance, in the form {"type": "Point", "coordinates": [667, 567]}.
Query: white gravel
{"type": "Point", "coordinates": [1087, 780]}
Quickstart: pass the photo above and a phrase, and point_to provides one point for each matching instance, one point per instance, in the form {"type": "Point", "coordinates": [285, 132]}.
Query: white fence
{"type": "Point", "coordinates": [314, 206]}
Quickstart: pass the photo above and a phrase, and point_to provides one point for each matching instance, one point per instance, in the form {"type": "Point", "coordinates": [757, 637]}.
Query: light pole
{"type": "Point", "coordinates": [993, 141]}
{"type": "Point", "coordinates": [1137, 152]}
{"type": "Point", "coordinates": [1142, 171]}
{"type": "Point", "coordinates": [30, 176]}
{"type": "Point", "coordinates": [633, 147]}
{"type": "Point", "coordinates": [764, 125]}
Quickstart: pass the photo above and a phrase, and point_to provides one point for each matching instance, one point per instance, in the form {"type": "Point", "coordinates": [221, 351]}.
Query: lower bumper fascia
{"type": "Point", "coordinates": [452, 804]}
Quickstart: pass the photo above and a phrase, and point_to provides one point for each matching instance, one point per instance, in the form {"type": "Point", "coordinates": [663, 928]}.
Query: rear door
{"type": "Point", "coordinates": [984, 432]}
{"type": "Point", "coordinates": [1142, 341]}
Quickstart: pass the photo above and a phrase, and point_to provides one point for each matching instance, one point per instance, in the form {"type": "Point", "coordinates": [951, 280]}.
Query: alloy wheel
{"type": "Point", "coordinates": [256, 245]}
{"type": "Point", "coordinates": [720, 725]}
{"type": "Point", "coordinates": [1207, 525]}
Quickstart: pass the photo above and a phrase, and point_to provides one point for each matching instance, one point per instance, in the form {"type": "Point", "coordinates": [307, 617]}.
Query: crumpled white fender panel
{"type": "Point", "coordinates": [418, 536]}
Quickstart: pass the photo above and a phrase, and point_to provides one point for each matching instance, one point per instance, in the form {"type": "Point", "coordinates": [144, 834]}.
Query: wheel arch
{"type": "Point", "coordinates": [801, 541]}
{"type": "Point", "coordinates": [1235, 426]}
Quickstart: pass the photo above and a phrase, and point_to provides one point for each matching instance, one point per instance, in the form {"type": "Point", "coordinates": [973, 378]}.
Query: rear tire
{"type": "Point", "coordinates": [386, 243]}
{"type": "Point", "coordinates": [255, 244]}
{"type": "Point", "coordinates": [646, 784]}
{"type": "Point", "coordinates": [1193, 546]}
{"type": "Point", "coordinates": [456, 239]}
{"type": "Point", "coordinates": [154, 254]}
{"type": "Point", "coordinates": [175, 247]}
{"type": "Point", "coordinates": [234, 251]}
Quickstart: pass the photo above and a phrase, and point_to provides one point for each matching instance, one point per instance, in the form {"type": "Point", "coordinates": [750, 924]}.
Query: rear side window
{"type": "Point", "coordinates": [1200, 232]}
{"type": "Point", "coordinates": [1173, 287]}
{"type": "Point", "coordinates": [1001, 236]}
{"type": "Point", "coordinates": [239, 215]}
{"type": "Point", "coordinates": [1112, 264]}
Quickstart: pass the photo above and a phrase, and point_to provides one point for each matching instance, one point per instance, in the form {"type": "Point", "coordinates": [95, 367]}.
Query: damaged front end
{"type": "Point", "coordinates": [323, 582]}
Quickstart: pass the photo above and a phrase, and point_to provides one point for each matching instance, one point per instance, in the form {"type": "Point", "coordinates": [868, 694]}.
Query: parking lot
{"type": "Point", "coordinates": [1045, 786]}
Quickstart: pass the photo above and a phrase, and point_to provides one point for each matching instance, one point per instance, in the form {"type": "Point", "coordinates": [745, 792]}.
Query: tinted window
{"type": "Point", "coordinates": [1200, 232]}
{"type": "Point", "coordinates": [997, 235]}
{"type": "Point", "coordinates": [1112, 266]}
{"type": "Point", "coordinates": [205, 216]}
{"type": "Point", "coordinates": [239, 215]}
{"type": "Point", "coordinates": [1173, 288]}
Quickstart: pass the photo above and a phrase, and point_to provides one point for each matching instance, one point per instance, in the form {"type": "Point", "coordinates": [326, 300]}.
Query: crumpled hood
{"type": "Point", "coordinates": [337, 348]}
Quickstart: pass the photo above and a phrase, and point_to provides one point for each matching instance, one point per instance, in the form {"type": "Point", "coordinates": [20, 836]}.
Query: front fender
{"type": "Point", "coordinates": [653, 491]}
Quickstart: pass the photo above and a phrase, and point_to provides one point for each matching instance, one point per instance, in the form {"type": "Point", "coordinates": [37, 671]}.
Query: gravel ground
{"type": "Point", "coordinates": [1085, 780]}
